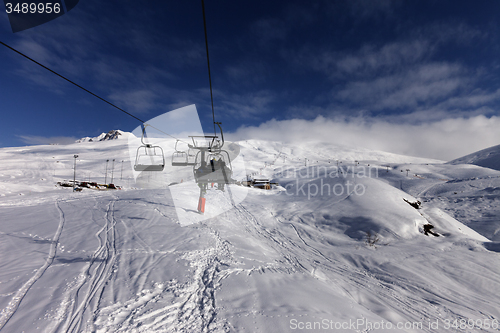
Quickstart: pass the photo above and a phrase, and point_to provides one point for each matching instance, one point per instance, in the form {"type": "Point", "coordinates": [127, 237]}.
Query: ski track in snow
{"type": "Point", "coordinates": [194, 308]}
{"type": "Point", "coordinates": [407, 297]}
{"type": "Point", "coordinates": [86, 292]}
{"type": "Point", "coordinates": [11, 309]}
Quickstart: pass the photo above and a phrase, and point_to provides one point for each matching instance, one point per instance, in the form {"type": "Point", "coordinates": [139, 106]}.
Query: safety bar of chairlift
{"type": "Point", "coordinates": [210, 146]}
{"type": "Point", "coordinates": [213, 137]}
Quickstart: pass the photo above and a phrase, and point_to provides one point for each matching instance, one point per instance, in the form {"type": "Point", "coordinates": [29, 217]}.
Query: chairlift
{"type": "Point", "coordinates": [179, 157]}
{"type": "Point", "coordinates": [149, 157]}
{"type": "Point", "coordinates": [191, 156]}
{"type": "Point", "coordinates": [183, 158]}
{"type": "Point", "coordinates": [212, 164]}
{"type": "Point", "coordinates": [214, 167]}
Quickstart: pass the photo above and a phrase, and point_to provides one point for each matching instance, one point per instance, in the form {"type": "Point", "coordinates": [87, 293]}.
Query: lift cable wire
{"type": "Point", "coordinates": [102, 99]}
{"type": "Point", "coordinates": [208, 62]}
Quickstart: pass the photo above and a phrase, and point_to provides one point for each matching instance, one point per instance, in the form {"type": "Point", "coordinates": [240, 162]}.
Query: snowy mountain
{"type": "Point", "coordinates": [488, 158]}
{"type": "Point", "coordinates": [351, 240]}
{"type": "Point", "coordinates": [111, 135]}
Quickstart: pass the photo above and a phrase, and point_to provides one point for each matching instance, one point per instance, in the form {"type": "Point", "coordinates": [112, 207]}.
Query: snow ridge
{"type": "Point", "coordinates": [111, 135]}
{"type": "Point", "coordinates": [488, 158]}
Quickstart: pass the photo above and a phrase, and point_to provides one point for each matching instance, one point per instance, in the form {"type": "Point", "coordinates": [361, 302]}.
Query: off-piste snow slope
{"type": "Point", "coordinates": [488, 158]}
{"type": "Point", "coordinates": [338, 246]}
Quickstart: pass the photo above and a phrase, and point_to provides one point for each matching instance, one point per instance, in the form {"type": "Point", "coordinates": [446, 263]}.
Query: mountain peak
{"type": "Point", "coordinates": [111, 135]}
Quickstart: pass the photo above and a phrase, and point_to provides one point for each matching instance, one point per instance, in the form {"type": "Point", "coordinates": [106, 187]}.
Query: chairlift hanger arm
{"type": "Point", "coordinates": [221, 133]}
{"type": "Point", "coordinates": [144, 134]}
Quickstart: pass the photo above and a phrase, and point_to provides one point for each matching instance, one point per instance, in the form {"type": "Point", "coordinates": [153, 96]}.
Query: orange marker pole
{"type": "Point", "coordinates": [201, 205]}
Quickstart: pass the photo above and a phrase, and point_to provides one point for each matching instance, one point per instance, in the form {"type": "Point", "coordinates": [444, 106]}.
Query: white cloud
{"type": "Point", "coordinates": [424, 84]}
{"type": "Point", "coordinates": [404, 75]}
{"type": "Point", "coordinates": [245, 106]}
{"type": "Point", "coordinates": [379, 8]}
{"type": "Point", "coordinates": [246, 73]}
{"type": "Point", "coordinates": [268, 30]}
{"type": "Point", "coordinates": [369, 59]}
{"type": "Point", "coordinates": [42, 140]}
{"type": "Point", "coordinates": [445, 139]}
{"type": "Point", "coordinates": [139, 101]}
{"type": "Point", "coordinates": [30, 47]}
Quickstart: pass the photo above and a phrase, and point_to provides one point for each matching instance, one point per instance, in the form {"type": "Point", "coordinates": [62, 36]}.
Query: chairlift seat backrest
{"type": "Point", "coordinates": [179, 158]}
{"type": "Point", "coordinates": [147, 157]}
{"type": "Point", "coordinates": [151, 161]}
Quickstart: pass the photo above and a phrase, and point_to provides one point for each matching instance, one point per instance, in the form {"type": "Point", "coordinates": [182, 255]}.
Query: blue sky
{"type": "Point", "coordinates": [415, 77]}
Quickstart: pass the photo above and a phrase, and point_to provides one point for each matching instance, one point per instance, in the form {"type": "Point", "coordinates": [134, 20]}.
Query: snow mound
{"type": "Point", "coordinates": [488, 158]}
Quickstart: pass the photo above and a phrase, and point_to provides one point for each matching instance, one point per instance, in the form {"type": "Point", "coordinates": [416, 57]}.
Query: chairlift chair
{"type": "Point", "coordinates": [212, 164]}
{"type": "Point", "coordinates": [179, 157]}
{"type": "Point", "coordinates": [149, 157]}
{"type": "Point", "coordinates": [213, 167]}
{"type": "Point", "coordinates": [191, 156]}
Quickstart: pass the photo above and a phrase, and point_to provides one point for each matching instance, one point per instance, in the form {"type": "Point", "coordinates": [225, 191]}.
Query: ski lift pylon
{"type": "Point", "coordinates": [149, 157]}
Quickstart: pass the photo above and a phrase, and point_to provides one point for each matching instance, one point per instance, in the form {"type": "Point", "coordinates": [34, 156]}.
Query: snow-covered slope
{"type": "Point", "coordinates": [488, 158]}
{"type": "Point", "coordinates": [335, 247]}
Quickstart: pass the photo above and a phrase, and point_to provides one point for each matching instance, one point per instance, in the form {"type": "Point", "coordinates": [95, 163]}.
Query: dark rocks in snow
{"type": "Point", "coordinates": [415, 204]}
{"type": "Point", "coordinates": [111, 135]}
{"type": "Point", "coordinates": [428, 230]}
